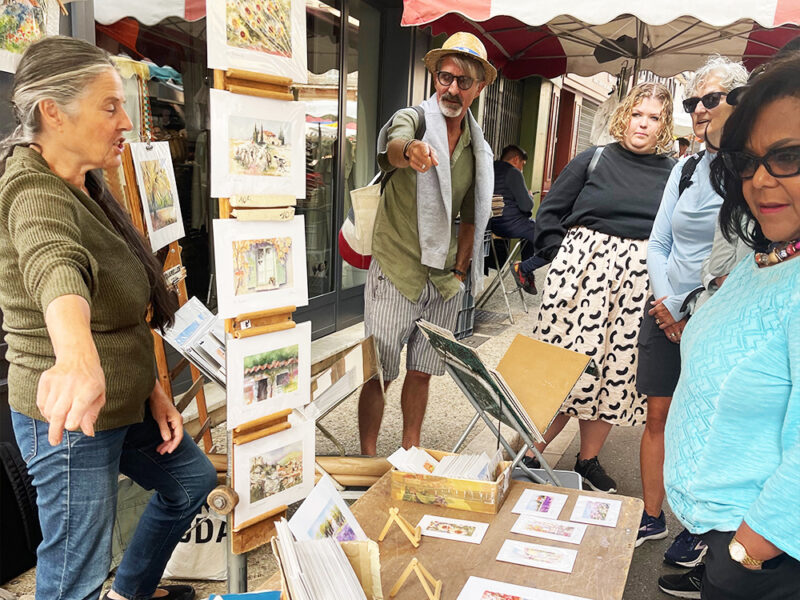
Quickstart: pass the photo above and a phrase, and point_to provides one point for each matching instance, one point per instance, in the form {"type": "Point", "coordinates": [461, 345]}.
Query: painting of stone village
{"type": "Point", "coordinates": [276, 471]}
{"type": "Point", "coordinates": [262, 265]}
{"type": "Point", "coordinates": [259, 147]}
{"type": "Point", "coordinates": [260, 25]}
{"type": "Point", "coordinates": [269, 375]}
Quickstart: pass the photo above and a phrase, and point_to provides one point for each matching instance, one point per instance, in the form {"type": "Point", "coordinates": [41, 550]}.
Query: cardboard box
{"type": "Point", "coordinates": [463, 494]}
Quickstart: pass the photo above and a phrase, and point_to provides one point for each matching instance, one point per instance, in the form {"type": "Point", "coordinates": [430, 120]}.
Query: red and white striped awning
{"type": "Point", "coordinates": [148, 12]}
{"type": "Point", "coordinates": [585, 37]}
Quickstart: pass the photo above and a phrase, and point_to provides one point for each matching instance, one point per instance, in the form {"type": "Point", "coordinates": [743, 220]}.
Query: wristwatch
{"type": "Point", "coordinates": [740, 555]}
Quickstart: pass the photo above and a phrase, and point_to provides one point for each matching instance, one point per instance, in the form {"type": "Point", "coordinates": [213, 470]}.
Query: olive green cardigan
{"type": "Point", "coordinates": [55, 240]}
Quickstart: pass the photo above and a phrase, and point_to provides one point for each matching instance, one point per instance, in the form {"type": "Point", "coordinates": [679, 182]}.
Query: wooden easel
{"type": "Point", "coordinates": [414, 534]}
{"type": "Point", "coordinates": [257, 531]}
{"type": "Point", "coordinates": [425, 578]}
{"type": "Point", "coordinates": [172, 260]}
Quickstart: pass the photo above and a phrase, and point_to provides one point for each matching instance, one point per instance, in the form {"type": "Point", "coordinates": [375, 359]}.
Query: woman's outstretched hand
{"type": "Point", "coordinates": [170, 421]}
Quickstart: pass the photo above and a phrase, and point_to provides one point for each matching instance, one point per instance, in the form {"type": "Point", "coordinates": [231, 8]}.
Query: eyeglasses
{"type": "Point", "coordinates": [780, 162]}
{"type": "Point", "coordinates": [446, 78]}
{"type": "Point", "coordinates": [710, 101]}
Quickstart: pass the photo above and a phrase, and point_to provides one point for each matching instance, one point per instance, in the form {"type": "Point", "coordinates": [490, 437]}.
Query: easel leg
{"type": "Point", "coordinates": [464, 435]}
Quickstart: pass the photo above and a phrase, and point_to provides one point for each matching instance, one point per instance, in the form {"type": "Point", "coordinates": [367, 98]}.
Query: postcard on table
{"type": "Point", "coordinates": [274, 470]}
{"type": "Point", "coordinates": [254, 35]}
{"type": "Point", "coordinates": [158, 192]}
{"type": "Point", "coordinates": [257, 146]}
{"type": "Point", "coordinates": [542, 504]}
{"type": "Point", "coordinates": [268, 373]}
{"type": "Point", "coordinates": [550, 529]}
{"type": "Point", "coordinates": [596, 511]}
{"type": "Point", "coordinates": [260, 265]}
{"type": "Point", "coordinates": [478, 588]}
{"type": "Point", "coordinates": [325, 514]}
{"type": "Point", "coordinates": [551, 558]}
{"type": "Point", "coordinates": [453, 529]}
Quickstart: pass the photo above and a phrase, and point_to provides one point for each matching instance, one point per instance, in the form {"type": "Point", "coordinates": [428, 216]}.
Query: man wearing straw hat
{"type": "Point", "coordinates": [420, 262]}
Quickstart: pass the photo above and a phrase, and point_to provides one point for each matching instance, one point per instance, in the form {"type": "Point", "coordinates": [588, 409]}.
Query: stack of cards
{"type": "Point", "coordinates": [315, 569]}
{"type": "Point", "coordinates": [414, 460]}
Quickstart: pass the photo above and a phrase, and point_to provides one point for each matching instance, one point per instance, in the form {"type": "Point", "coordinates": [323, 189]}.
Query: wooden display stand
{"type": "Point", "coordinates": [172, 264]}
{"type": "Point", "coordinates": [414, 534]}
{"type": "Point", "coordinates": [424, 577]}
{"type": "Point", "coordinates": [257, 531]}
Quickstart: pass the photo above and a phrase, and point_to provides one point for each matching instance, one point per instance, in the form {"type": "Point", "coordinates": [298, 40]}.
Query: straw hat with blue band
{"type": "Point", "coordinates": [466, 45]}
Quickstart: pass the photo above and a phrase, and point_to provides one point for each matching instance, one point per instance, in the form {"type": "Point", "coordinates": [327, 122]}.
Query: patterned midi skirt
{"type": "Point", "coordinates": [592, 303]}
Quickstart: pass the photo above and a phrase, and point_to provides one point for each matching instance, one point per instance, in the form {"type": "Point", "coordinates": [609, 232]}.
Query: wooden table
{"type": "Point", "coordinates": [600, 570]}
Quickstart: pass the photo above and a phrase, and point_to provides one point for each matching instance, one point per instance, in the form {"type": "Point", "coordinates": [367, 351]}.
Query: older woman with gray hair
{"type": "Point", "coordinates": [682, 235]}
{"type": "Point", "coordinates": [78, 286]}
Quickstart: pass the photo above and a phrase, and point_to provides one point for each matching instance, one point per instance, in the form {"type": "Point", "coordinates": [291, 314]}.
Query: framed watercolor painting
{"type": "Point", "coordinates": [260, 265]}
{"type": "Point", "coordinates": [268, 373]}
{"type": "Point", "coordinates": [23, 22]}
{"type": "Point", "coordinates": [265, 36]}
{"type": "Point", "coordinates": [274, 470]}
{"type": "Point", "coordinates": [257, 146]}
{"type": "Point", "coordinates": [158, 192]}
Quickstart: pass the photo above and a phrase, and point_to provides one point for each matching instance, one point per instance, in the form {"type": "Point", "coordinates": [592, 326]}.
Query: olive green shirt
{"type": "Point", "coordinates": [56, 241]}
{"type": "Point", "coordinates": [395, 242]}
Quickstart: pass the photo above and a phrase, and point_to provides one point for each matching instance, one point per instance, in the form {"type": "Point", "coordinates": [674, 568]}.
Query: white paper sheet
{"type": "Point", "coordinates": [268, 373]}
{"type": "Point", "coordinates": [260, 265]}
{"type": "Point", "coordinates": [551, 558]}
{"type": "Point", "coordinates": [325, 514]}
{"type": "Point", "coordinates": [478, 588]}
{"type": "Point", "coordinates": [257, 146]}
{"type": "Point", "coordinates": [542, 504]}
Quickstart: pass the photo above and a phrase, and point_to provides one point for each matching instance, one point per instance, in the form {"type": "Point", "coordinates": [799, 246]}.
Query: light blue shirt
{"type": "Point", "coordinates": [732, 439]}
{"type": "Point", "coordinates": [682, 235]}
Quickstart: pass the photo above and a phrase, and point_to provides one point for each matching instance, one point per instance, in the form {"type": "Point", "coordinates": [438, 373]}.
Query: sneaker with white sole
{"type": "Point", "coordinates": [687, 550]}
{"type": "Point", "coordinates": [594, 475]}
{"type": "Point", "coordinates": [651, 528]}
{"type": "Point", "coordinates": [683, 585]}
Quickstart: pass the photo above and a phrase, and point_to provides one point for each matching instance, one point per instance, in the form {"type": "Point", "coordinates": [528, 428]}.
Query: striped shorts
{"type": "Point", "coordinates": [391, 318]}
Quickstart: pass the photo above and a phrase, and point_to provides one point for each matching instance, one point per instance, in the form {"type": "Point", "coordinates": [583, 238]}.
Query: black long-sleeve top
{"type": "Point", "coordinates": [620, 198]}
{"type": "Point", "coordinates": [510, 184]}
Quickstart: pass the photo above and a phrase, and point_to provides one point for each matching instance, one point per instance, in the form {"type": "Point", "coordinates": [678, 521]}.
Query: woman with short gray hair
{"type": "Point", "coordinates": [681, 239]}
{"type": "Point", "coordinates": [81, 291]}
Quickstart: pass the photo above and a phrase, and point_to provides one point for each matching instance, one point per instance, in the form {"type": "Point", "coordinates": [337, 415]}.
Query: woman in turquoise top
{"type": "Point", "coordinates": [732, 439]}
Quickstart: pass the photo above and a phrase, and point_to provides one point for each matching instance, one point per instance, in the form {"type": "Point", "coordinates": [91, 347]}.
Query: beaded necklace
{"type": "Point", "coordinates": [778, 252]}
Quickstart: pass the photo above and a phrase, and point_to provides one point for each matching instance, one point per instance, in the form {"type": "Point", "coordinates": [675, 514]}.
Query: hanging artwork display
{"type": "Point", "coordinates": [257, 146]}
{"type": "Point", "coordinates": [274, 470]}
{"type": "Point", "coordinates": [265, 36]}
{"type": "Point", "coordinates": [268, 373]}
{"type": "Point", "coordinates": [260, 265]}
{"type": "Point", "coordinates": [158, 192]}
{"type": "Point", "coordinates": [23, 22]}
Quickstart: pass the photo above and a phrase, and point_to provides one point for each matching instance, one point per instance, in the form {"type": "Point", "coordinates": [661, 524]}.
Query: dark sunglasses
{"type": "Point", "coordinates": [710, 101]}
{"type": "Point", "coordinates": [446, 79]}
{"type": "Point", "coordinates": [780, 162]}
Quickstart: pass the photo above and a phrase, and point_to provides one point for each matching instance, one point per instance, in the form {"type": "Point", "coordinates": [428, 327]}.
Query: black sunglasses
{"type": "Point", "coordinates": [710, 100]}
{"type": "Point", "coordinates": [446, 78]}
{"type": "Point", "coordinates": [780, 162]}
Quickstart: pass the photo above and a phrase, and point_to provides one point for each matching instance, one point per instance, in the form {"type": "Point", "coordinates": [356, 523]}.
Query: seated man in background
{"type": "Point", "coordinates": [515, 221]}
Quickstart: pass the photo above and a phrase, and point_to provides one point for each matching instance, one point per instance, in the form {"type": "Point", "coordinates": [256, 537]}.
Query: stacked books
{"type": "Point", "coordinates": [199, 336]}
{"type": "Point", "coordinates": [315, 569]}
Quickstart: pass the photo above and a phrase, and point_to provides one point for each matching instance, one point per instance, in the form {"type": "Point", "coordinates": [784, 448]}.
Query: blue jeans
{"type": "Point", "coordinates": [76, 483]}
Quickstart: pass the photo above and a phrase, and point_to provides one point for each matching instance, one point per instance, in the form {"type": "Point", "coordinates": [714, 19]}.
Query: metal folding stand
{"type": "Point", "coordinates": [497, 281]}
{"type": "Point", "coordinates": [453, 367]}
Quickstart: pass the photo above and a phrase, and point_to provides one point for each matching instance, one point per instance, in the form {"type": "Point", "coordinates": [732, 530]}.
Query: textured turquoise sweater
{"type": "Point", "coordinates": [732, 445]}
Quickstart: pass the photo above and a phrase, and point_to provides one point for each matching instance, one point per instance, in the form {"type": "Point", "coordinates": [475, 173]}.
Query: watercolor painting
{"type": "Point", "coordinates": [478, 588]}
{"type": "Point", "coordinates": [23, 22]}
{"type": "Point", "coordinates": [264, 36]}
{"type": "Point", "coordinates": [260, 25]}
{"type": "Point", "coordinates": [273, 470]}
{"type": "Point", "coordinates": [332, 522]}
{"type": "Point", "coordinates": [543, 504]}
{"type": "Point", "coordinates": [259, 146]}
{"type": "Point", "coordinates": [158, 192]}
{"type": "Point", "coordinates": [276, 471]}
{"type": "Point", "coordinates": [260, 265]}
{"type": "Point", "coordinates": [324, 513]}
{"type": "Point", "coordinates": [268, 373]}
{"type": "Point", "coordinates": [271, 374]}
